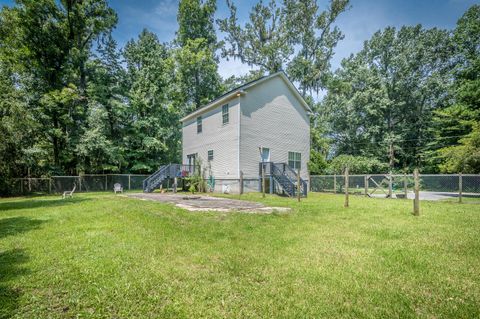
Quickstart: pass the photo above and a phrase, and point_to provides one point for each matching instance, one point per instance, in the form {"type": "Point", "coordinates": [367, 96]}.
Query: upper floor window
{"type": "Point", "coordinates": [210, 155]}
{"type": "Point", "coordinates": [294, 160]}
{"type": "Point", "coordinates": [225, 114]}
{"type": "Point", "coordinates": [199, 124]}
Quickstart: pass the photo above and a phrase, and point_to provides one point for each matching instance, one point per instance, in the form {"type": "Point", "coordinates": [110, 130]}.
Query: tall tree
{"type": "Point", "coordinates": [152, 136]}
{"type": "Point", "coordinates": [197, 64]}
{"type": "Point", "coordinates": [457, 125]}
{"type": "Point", "coordinates": [316, 37]}
{"type": "Point", "coordinates": [381, 101]}
{"type": "Point", "coordinates": [270, 38]}
{"type": "Point", "coordinates": [49, 41]}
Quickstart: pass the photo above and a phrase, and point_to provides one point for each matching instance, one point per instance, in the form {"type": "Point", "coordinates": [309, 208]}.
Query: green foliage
{"type": "Point", "coordinates": [270, 38]}
{"type": "Point", "coordinates": [196, 181]}
{"type": "Point", "coordinates": [195, 60]}
{"type": "Point", "coordinates": [381, 102]}
{"type": "Point", "coordinates": [356, 165]}
{"type": "Point", "coordinates": [463, 158]}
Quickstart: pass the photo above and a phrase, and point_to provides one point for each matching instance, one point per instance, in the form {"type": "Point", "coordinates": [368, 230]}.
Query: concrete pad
{"type": "Point", "coordinates": [195, 203]}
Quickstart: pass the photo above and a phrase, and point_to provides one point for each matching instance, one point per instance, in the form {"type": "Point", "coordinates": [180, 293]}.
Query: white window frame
{"type": "Point", "coordinates": [199, 124]}
{"type": "Point", "coordinates": [295, 160]}
{"type": "Point", "coordinates": [225, 114]}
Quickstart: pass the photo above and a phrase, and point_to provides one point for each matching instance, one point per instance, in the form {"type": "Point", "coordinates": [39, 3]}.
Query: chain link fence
{"type": "Point", "coordinates": [432, 186]}
{"type": "Point", "coordinates": [84, 183]}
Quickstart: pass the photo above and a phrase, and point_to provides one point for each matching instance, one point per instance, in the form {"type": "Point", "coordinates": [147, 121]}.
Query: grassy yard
{"type": "Point", "coordinates": [101, 256]}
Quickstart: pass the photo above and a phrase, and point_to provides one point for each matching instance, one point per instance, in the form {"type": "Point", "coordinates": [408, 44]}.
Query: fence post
{"type": "Point", "coordinates": [298, 184]}
{"type": "Point", "coordinates": [416, 201]}
{"type": "Point", "coordinates": [80, 182]}
{"type": "Point", "coordinates": [21, 185]}
{"type": "Point", "coordinates": [50, 185]}
{"type": "Point", "coordinates": [460, 187]}
{"type": "Point", "coordinates": [346, 187]}
{"type": "Point", "coordinates": [405, 185]}
{"type": "Point", "coordinates": [241, 182]}
{"type": "Point", "coordinates": [334, 183]}
{"type": "Point", "coordinates": [390, 192]}
{"type": "Point", "coordinates": [263, 180]}
{"type": "Point", "coordinates": [366, 185]}
{"type": "Point", "coordinates": [106, 182]}
{"type": "Point", "coordinates": [129, 180]}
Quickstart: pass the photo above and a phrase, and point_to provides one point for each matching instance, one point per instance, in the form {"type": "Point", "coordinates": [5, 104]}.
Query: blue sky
{"type": "Point", "coordinates": [358, 24]}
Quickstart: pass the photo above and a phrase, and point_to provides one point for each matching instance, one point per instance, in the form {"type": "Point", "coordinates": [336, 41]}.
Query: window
{"type": "Point", "coordinates": [294, 160]}
{"type": "Point", "coordinates": [199, 124]}
{"type": "Point", "coordinates": [265, 154]}
{"type": "Point", "coordinates": [225, 115]}
{"type": "Point", "coordinates": [210, 155]}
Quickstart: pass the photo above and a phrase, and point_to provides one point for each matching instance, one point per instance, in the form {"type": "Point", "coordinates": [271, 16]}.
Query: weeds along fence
{"type": "Point", "coordinates": [84, 183]}
{"type": "Point", "coordinates": [432, 186]}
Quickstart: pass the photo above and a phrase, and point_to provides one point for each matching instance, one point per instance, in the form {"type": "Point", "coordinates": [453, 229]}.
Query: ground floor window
{"type": "Point", "coordinates": [210, 155]}
{"type": "Point", "coordinates": [294, 160]}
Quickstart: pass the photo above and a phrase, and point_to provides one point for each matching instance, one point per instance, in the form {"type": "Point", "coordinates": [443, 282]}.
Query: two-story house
{"type": "Point", "coordinates": [263, 120]}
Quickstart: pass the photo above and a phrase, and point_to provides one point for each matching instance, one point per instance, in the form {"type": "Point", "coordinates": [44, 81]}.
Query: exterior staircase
{"type": "Point", "coordinates": [287, 179]}
{"type": "Point", "coordinates": [165, 171]}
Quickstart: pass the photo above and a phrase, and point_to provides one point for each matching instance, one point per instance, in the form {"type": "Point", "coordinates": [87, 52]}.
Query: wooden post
{"type": "Point", "coordinates": [129, 181]}
{"type": "Point", "coordinates": [106, 182]}
{"type": "Point", "coordinates": [366, 185]}
{"type": "Point", "coordinates": [175, 181]}
{"type": "Point", "coordinates": [416, 201]}
{"type": "Point", "coordinates": [460, 187]}
{"type": "Point", "coordinates": [334, 183]}
{"type": "Point", "coordinates": [21, 185]}
{"type": "Point", "coordinates": [346, 187]}
{"type": "Point", "coordinates": [390, 191]}
{"type": "Point", "coordinates": [50, 185]}
{"type": "Point", "coordinates": [405, 185]}
{"type": "Point", "coordinates": [263, 180]}
{"type": "Point", "coordinates": [298, 184]}
{"type": "Point", "coordinates": [80, 182]}
{"type": "Point", "coordinates": [241, 182]}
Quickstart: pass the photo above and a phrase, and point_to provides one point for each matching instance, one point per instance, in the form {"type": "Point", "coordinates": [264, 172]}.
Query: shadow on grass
{"type": "Point", "coordinates": [10, 268]}
{"type": "Point", "coordinates": [16, 225]}
{"type": "Point", "coordinates": [40, 203]}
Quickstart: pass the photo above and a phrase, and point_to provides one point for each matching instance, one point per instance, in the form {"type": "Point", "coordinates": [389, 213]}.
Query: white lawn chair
{"type": "Point", "coordinates": [69, 193]}
{"type": "Point", "coordinates": [117, 188]}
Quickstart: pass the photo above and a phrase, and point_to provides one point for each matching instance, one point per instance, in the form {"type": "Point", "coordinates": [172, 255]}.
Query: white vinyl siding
{"type": "Point", "coordinates": [222, 139]}
{"type": "Point", "coordinates": [274, 117]}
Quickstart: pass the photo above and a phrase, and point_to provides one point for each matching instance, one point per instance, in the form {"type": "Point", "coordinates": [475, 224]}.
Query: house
{"type": "Point", "coordinates": [263, 120]}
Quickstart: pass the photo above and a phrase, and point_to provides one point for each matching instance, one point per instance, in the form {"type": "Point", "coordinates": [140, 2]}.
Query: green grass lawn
{"type": "Point", "coordinates": [101, 256]}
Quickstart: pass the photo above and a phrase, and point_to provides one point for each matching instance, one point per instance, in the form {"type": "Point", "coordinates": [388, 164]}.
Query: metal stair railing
{"type": "Point", "coordinates": [152, 181]}
{"type": "Point", "coordinates": [165, 171]}
{"type": "Point", "coordinates": [290, 172]}
{"type": "Point", "coordinates": [279, 175]}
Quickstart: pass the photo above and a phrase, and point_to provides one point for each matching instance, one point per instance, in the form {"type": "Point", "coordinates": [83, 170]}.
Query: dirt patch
{"type": "Point", "coordinates": [208, 203]}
